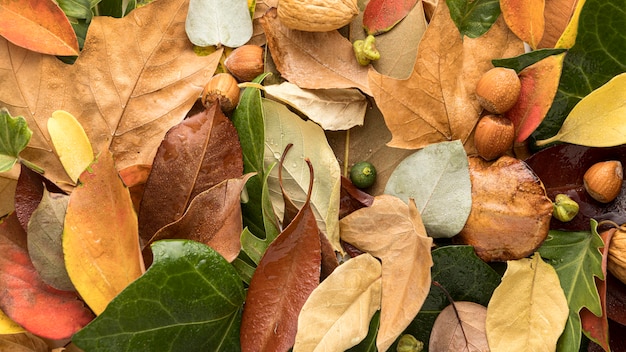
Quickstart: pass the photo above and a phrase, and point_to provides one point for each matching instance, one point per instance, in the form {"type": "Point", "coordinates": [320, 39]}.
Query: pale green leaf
{"type": "Point", "coordinates": [213, 22]}
{"type": "Point", "coordinates": [14, 137]}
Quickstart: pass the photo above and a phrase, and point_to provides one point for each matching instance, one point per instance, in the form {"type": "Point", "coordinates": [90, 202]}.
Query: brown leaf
{"type": "Point", "coordinates": [352, 198]}
{"type": "Point", "coordinates": [23, 342]}
{"type": "Point", "coordinates": [460, 327]}
{"type": "Point", "coordinates": [525, 18]}
{"type": "Point", "coordinates": [437, 102]}
{"type": "Point", "coordinates": [393, 232]}
{"type": "Point", "coordinates": [126, 95]}
{"type": "Point", "coordinates": [195, 155]}
{"type": "Point", "coordinates": [511, 213]}
{"type": "Point", "coordinates": [313, 59]}
{"type": "Point", "coordinates": [557, 14]}
{"type": "Point", "coordinates": [30, 186]}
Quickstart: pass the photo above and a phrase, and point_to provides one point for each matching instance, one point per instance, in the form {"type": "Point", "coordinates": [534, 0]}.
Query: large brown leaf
{"type": "Point", "coordinates": [437, 102]}
{"type": "Point", "coordinates": [136, 77]}
{"type": "Point", "coordinates": [195, 155]}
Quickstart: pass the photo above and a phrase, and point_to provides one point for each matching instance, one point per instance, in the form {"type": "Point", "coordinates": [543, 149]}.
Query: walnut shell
{"type": "Point", "coordinates": [617, 255]}
{"type": "Point", "coordinates": [316, 15]}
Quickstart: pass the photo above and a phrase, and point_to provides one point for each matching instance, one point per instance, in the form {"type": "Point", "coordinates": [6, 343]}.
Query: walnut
{"type": "Point", "coordinates": [316, 15]}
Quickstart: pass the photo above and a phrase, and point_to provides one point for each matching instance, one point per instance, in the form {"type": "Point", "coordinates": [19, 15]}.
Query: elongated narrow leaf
{"type": "Point", "coordinates": [528, 311]}
{"type": "Point", "coordinates": [14, 137]}
{"type": "Point", "coordinates": [189, 300]}
{"type": "Point", "coordinates": [525, 18]}
{"type": "Point", "coordinates": [436, 177]}
{"type": "Point", "coordinates": [38, 25]}
{"type": "Point", "coordinates": [380, 16]}
{"type": "Point", "coordinates": [100, 240]}
{"type": "Point", "coordinates": [355, 291]}
{"type": "Point", "coordinates": [474, 18]}
{"type": "Point", "coordinates": [70, 143]}
{"type": "Point", "coordinates": [219, 22]}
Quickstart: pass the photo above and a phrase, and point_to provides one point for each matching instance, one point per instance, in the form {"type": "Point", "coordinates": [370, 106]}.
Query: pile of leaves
{"type": "Point", "coordinates": [136, 218]}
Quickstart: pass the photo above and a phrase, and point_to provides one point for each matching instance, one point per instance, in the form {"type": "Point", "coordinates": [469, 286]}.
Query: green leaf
{"type": "Point", "coordinates": [598, 55]}
{"type": "Point", "coordinates": [190, 299]}
{"type": "Point", "coordinates": [116, 8]}
{"type": "Point", "coordinates": [474, 18]}
{"type": "Point", "coordinates": [437, 178]}
{"type": "Point", "coordinates": [520, 62]}
{"type": "Point", "coordinates": [214, 22]}
{"type": "Point", "coordinates": [14, 137]}
{"type": "Point", "coordinates": [577, 259]}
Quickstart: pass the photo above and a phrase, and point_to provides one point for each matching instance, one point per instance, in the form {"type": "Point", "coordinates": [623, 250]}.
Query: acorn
{"type": "Point", "coordinates": [603, 180]}
{"type": "Point", "coordinates": [494, 135]}
{"type": "Point", "coordinates": [498, 90]}
{"type": "Point", "coordinates": [245, 62]}
{"type": "Point", "coordinates": [221, 88]}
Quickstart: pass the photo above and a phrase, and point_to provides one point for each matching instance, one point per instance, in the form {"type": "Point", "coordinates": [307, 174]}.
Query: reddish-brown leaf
{"type": "Point", "coordinates": [195, 155]}
{"type": "Point", "coordinates": [26, 299]}
{"type": "Point", "coordinates": [135, 178]}
{"type": "Point", "coordinates": [38, 25]}
{"type": "Point", "coordinates": [352, 198]}
{"type": "Point", "coordinates": [28, 193]}
{"type": "Point", "coordinates": [616, 299]}
{"type": "Point", "coordinates": [525, 18]}
{"type": "Point", "coordinates": [381, 15]}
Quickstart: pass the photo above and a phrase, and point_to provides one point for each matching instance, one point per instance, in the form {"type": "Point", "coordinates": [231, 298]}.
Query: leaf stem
{"type": "Point", "coordinates": [346, 153]}
{"type": "Point", "coordinates": [547, 141]}
{"type": "Point", "coordinates": [38, 169]}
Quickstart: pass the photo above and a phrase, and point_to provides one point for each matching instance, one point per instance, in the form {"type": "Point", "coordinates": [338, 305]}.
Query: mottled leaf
{"type": "Point", "coordinates": [380, 16]}
{"type": "Point", "coordinates": [460, 327]}
{"type": "Point", "coordinates": [474, 18]}
{"type": "Point", "coordinates": [14, 136]}
{"type": "Point", "coordinates": [219, 22]}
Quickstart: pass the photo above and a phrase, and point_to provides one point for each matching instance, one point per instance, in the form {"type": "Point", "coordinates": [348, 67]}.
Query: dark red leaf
{"type": "Point", "coordinates": [352, 198]}
{"type": "Point", "coordinates": [616, 299]}
{"type": "Point", "coordinates": [381, 15]}
{"type": "Point", "coordinates": [28, 193]}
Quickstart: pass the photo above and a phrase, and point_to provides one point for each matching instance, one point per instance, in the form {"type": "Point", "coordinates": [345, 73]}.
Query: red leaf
{"type": "Point", "coordinates": [38, 25]}
{"type": "Point", "coordinates": [352, 198]}
{"type": "Point", "coordinates": [26, 299]}
{"type": "Point", "coordinates": [381, 15]}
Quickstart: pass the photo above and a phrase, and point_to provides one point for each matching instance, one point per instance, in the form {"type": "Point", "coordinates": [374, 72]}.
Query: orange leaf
{"type": "Point", "coordinates": [100, 238]}
{"type": "Point", "coordinates": [38, 25]}
{"type": "Point", "coordinates": [525, 18]}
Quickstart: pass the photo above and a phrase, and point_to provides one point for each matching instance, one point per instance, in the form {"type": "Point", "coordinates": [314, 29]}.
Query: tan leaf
{"type": "Point", "coordinates": [557, 14]}
{"type": "Point", "coordinates": [394, 232]}
{"type": "Point", "coordinates": [313, 59]}
{"type": "Point", "coordinates": [437, 102]}
{"type": "Point", "coordinates": [337, 314]}
{"type": "Point", "coordinates": [126, 95]}
{"type": "Point", "coordinates": [460, 327]}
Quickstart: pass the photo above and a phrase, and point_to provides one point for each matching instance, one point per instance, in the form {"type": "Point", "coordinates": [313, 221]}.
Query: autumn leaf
{"type": "Point", "coordinates": [437, 102]}
{"type": "Point", "coordinates": [126, 96]}
{"type": "Point", "coordinates": [70, 143]}
{"type": "Point", "coordinates": [24, 342]}
{"type": "Point", "coordinates": [8, 326]}
{"type": "Point", "coordinates": [557, 15]}
{"type": "Point", "coordinates": [100, 235]}
{"type": "Point", "coordinates": [380, 16]}
{"type": "Point", "coordinates": [393, 231]}
{"type": "Point", "coordinates": [38, 25]}
{"type": "Point", "coordinates": [460, 327]}
{"type": "Point", "coordinates": [525, 18]}
{"type": "Point", "coordinates": [528, 311]}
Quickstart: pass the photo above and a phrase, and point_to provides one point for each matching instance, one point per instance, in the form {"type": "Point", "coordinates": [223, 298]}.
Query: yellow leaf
{"type": "Point", "coordinates": [528, 310]}
{"type": "Point", "coordinates": [568, 38]}
{"type": "Point", "coordinates": [70, 143]}
{"type": "Point", "coordinates": [336, 315]}
{"type": "Point", "coordinates": [8, 326]}
{"type": "Point", "coordinates": [599, 119]}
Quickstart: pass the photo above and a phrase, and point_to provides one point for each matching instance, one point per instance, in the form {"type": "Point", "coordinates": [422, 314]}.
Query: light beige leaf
{"type": "Point", "coordinates": [283, 127]}
{"type": "Point", "coordinates": [462, 332]}
{"type": "Point", "coordinates": [528, 310]}
{"type": "Point", "coordinates": [333, 109]}
{"type": "Point", "coordinates": [8, 183]}
{"type": "Point", "coordinates": [126, 95]}
{"type": "Point", "coordinates": [393, 231]}
{"type": "Point", "coordinates": [337, 314]}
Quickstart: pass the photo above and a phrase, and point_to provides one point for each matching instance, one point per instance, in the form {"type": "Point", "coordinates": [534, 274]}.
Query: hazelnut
{"type": "Point", "coordinates": [603, 180]}
{"type": "Point", "coordinates": [245, 62]}
{"type": "Point", "coordinates": [498, 90]}
{"type": "Point", "coordinates": [493, 136]}
{"type": "Point", "coordinates": [221, 88]}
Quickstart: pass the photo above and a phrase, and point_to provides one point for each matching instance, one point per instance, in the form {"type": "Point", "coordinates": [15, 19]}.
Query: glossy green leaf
{"type": "Point", "coordinates": [369, 342]}
{"type": "Point", "coordinates": [116, 8]}
{"type": "Point", "coordinates": [520, 62]}
{"type": "Point", "coordinates": [81, 9]}
{"type": "Point", "coordinates": [474, 18]}
{"type": "Point", "coordinates": [14, 137]}
{"type": "Point", "coordinates": [213, 22]}
{"type": "Point", "coordinates": [437, 177]}
{"type": "Point", "coordinates": [189, 300]}
{"type": "Point", "coordinates": [598, 55]}
{"type": "Point", "coordinates": [577, 259]}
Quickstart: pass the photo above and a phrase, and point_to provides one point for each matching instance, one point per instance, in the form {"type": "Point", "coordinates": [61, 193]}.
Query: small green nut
{"type": "Point", "coordinates": [565, 209]}
{"type": "Point", "coordinates": [365, 50]}
{"type": "Point", "coordinates": [408, 343]}
{"type": "Point", "coordinates": [363, 174]}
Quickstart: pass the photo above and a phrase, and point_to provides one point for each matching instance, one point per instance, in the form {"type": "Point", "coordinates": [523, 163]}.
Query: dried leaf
{"type": "Point", "coordinates": [219, 22]}
{"type": "Point", "coordinates": [352, 198]}
{"type": "Point", "coordinates": [336, 315]}
{"type": "Point", "coordinates": [8, 185]}
{"type": "Point", "coordinates": [70, 143]}
{"type": "Point", "coordinates": [528, 311]}
{"type": "Point", "coordinates": [126, 96]}
{"type": "Point", "coordinates": [557, 14]}
{"type": "Point", "coordinates": [380, 16]}
{"type": "Point", "coordinates": [437, 102]}
{"type": "Point", "coordinates": [460, 327]}
{"type": "Point", "coordinates": [100, 235]}
{"type": "Point", "coordinates": [198, 153]}
{"type": "Point", "coordinates": [393, 231]}
{"type": "Point", "coordinates": [38, 25]}
{"type": "Point", "coordinates": [525, 18]}
{"type": "Point", "coordinates": [24, 342]}
{"type": "Point", "coordinates": [333, 109]}
{"type": "Point", "coordinates": [313, 60]}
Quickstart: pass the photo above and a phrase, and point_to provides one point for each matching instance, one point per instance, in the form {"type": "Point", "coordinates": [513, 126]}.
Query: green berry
{"type": "Point", "coordinates": [363, 174]}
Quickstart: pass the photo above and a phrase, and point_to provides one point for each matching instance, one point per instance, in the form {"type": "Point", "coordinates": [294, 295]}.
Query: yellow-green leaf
{"type": "Point", "coordinates": [70, 143]}
{"type": "Point", "coordinates": [528, 310]}
{"type": "Point", "coordinates": [354, 289]}
{"type": "Point", "coordinates": [8, 326]}
{"type": "Point", "coordinates": [599, 119]}
{"type": "Point", "coordinates": [568, 38]}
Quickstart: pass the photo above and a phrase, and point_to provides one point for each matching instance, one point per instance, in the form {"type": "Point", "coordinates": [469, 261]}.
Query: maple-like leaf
{"type": "Point", "coordinates": [437, 102]}
{"type": "Point", "coordinates": [135, 78]}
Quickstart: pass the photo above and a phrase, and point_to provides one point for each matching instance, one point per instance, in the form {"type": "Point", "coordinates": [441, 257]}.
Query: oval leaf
{"type": "Point", "coordinates": [436, 177]}
{"type": "Point", "coordinates": [460, 327]}
{"type": "Point", "coordinates": [218, 22]}
{"type": "Point", "coordinates": [525, 18]}
{"type": "Point", "coordinates": [70, 143]}
{"type": "Point", "coordinates": [189, 300]}
{"type": "Point", "coordinates": [380, 16]}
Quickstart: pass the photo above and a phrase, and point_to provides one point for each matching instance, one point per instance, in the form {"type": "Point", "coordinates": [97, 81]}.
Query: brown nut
{"type": "Point", "coordinates": [221, 88]}
{"type": "Point", "coordinates": [494, 135]}
{"type": "Point", "coordinates": [603, 180]}
{"type": "Point", "coordinates": [316, 15]}
{"type": "Point", "coordinates": [498, 90]}
{"type": "Point", "coordinates": [245, 62]}
{"type": "Point", "coordinates": [617, 255]}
